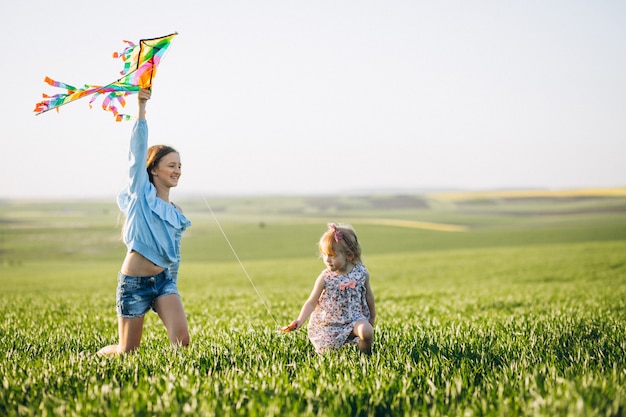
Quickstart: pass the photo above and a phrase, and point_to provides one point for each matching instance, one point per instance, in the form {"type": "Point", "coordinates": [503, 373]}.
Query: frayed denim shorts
{"type": "Point", "coordinates": [136, 295]}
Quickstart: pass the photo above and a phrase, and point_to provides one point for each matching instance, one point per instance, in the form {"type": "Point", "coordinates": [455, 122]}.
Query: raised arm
{"type": "Point", "coordinates": [138, 176]}
{"type": "Point", "coordinates": [143, 97]}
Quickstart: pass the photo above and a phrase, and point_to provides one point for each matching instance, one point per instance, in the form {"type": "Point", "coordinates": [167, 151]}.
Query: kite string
{"type": "Point", "coordinates": [239, 260]}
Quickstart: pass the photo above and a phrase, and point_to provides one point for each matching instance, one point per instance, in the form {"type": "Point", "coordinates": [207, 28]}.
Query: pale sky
{"type": "Point", "coordinates": [288, 96]}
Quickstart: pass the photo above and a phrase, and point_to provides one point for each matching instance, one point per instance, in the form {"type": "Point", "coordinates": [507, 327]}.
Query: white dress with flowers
{"type": "Point", "coordinates": [341, 304]}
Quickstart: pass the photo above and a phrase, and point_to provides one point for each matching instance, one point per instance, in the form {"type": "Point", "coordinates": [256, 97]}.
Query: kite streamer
{"type": "Point", "coordinates": [140, 64]}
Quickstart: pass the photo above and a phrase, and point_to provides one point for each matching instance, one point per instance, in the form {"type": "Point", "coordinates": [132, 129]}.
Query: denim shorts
{"type": "Point", "coordinates": [136, 295]}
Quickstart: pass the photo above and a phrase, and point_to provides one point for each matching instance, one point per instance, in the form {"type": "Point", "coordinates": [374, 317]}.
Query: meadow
{"type": "Point", "coordinates": [488, 305]}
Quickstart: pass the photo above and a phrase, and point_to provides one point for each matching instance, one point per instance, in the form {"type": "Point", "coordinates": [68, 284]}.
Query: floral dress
{"type": "Point", "coordinates": [341, 304]}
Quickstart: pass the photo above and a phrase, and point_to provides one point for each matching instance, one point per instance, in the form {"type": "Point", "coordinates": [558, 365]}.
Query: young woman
{"type": "Point", "coordinates": [152, 232]}
{"type": "Point", "coordinates": [341, 304]}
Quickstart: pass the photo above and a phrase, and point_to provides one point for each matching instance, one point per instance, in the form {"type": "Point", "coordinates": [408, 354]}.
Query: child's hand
{"type": "Point", "coordinates": [294, 325]}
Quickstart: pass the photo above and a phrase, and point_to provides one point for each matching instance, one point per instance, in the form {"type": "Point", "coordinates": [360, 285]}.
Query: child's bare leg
{"type": "Point", "coordinates": [365, 332]}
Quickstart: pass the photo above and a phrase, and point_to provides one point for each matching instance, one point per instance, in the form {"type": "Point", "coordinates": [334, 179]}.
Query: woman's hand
{"type": "Point", "coordinates": [142, 98]}
{"type": "Point", "coordinates": [144, 94]}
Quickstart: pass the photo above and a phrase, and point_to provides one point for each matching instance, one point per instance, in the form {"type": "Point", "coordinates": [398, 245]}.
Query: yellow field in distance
{"type": "Point", "coordinates": [441, 227]}
{"type": "Point", "coordinates": [477, 195]}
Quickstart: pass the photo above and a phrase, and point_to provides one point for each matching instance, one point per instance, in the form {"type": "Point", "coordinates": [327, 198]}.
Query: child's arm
{"type": "Point", "coordinates": [310, 304]}
{"type": "Point", "coordinates": [369, 299]}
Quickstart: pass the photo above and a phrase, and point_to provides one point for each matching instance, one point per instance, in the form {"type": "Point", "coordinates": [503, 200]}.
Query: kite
{"type": "Point", "coordinates": [140, 64]}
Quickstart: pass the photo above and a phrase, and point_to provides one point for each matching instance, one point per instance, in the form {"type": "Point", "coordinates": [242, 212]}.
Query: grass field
{"type": "Point", "coordinates": [488, 305]}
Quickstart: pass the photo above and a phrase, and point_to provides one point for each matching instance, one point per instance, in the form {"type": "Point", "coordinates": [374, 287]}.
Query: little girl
{"type": "Point", "coordinates": [341, 304]}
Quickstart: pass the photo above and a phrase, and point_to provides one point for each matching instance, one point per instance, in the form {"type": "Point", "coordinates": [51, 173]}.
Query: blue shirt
{"type": "Point", "coordinates": [153, 227]}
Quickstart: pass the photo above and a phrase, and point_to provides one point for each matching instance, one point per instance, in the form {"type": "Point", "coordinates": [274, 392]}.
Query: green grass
{"type": "Point", "coordinates": [523, 314]}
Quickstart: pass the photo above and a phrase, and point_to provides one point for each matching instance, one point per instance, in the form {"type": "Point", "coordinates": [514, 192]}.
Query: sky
{"type": "Point", "coordinates": [324, 97]}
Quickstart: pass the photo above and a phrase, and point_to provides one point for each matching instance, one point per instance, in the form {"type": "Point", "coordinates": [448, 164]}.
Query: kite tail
{"type": "Point", "coordinates": [114, 97]}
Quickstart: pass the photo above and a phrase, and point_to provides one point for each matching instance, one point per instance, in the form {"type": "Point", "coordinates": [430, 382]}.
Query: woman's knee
{"type": "Point", "coordinates": [182, 340]}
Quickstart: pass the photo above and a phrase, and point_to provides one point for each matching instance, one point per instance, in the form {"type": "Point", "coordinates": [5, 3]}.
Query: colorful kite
{"type": "Point", "coordinates": [140, 64]}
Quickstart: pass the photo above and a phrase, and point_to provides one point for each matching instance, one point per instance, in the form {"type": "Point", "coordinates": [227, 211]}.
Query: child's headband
{"type": "Point", "coordinates": [339, 236]}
